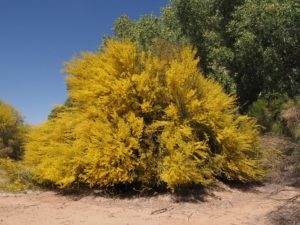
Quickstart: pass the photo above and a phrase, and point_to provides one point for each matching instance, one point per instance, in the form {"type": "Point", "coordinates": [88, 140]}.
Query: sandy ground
{"type": "Point", "coordinates": [229, 206]}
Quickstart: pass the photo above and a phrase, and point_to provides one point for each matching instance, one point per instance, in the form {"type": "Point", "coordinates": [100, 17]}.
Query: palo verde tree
{"type": "Point", "coordinates": [143, 118]}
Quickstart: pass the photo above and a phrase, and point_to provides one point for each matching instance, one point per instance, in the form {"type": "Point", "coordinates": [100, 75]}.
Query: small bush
{"type": "Point", "coordinates": [142, 118]}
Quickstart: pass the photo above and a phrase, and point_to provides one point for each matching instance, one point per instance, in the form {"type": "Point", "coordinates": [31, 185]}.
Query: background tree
{"type": "Point", "coordinates": [204, 22]}
{"type": "Point", "coordinates": [150, 29]}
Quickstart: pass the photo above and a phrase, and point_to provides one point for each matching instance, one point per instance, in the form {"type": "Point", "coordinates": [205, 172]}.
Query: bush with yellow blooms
{"type": "Point", "coordinates": [143, 118]}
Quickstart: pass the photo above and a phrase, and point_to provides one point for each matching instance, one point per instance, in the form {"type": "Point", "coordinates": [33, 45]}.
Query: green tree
{"type": "Point", "coordinates": [204, 22]}
{"type": "Point", "coordinates": [265, 42]}
{"type": "Point", "coordinates": [254, 42]}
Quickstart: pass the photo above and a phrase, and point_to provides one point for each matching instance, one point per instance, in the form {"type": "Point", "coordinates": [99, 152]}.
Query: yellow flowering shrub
{"type": "Point", "coordinates": [14, 176]}
{"type": "Point", "coordinates": [12, 132]}
{"type": "Point", "coordinates": [144, 118]}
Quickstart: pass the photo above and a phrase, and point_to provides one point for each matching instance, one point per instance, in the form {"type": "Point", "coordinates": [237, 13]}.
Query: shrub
{"type": "Point", "coordinates": [140, 118]}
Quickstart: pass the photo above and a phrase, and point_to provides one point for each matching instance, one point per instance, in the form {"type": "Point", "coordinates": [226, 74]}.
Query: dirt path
{"type": "Point", "coordinates": [232, 207]}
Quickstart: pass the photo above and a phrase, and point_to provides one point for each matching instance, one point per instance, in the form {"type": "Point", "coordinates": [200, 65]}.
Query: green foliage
{"type": "Point", "coordinates": [149, 30]}
{"type": "Point", "coordinates": [255, 42]}
{"type": "Point", "coordinates": [267, 112]}
{"type": "Point", "coordinates": [144, 118]}
{"type": "Point", "coordinates": [278, 114]}
{"type": "Point", "coordinates": [60, 108]}
{"type": "Point", "coordinates": [12, 132]}
{"type": "Point", "coordinates": [145, 31]}
{"type": "Point", "coordinates": [265, 36]}
{"type": "Point", "coordinates": [204, 23]}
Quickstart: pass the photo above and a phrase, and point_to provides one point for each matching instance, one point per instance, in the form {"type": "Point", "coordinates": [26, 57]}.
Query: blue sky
{"type": "Point", "coordinates": [38, 36]}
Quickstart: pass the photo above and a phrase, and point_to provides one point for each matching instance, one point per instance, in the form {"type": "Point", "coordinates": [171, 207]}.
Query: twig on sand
{"type": "Point", "coordinates": [189, 216]}
{"type": "Point", "coordinates": [163, 210]}
{"type": "Point", "coordinates": [288, 213]}
{"type": "Point", "coordinates": [284, 199]}
{"type": "Point", "coordinates": [290, 200]}
{"type": "Point", "coordinates": [281, 190]}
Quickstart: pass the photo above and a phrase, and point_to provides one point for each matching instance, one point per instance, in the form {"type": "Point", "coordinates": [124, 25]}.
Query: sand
{"type": "Point", "coordinates": [228, 206]}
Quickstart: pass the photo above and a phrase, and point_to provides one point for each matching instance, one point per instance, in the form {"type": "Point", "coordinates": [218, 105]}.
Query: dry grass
{"type": "Point", "coordinates": [291, 115]}
{"type": "Point", "coordinates": [288, 214]}
{"type": "Point", "coordinates": [285, 171]}
{"type": "Point", "coordinates": [281, 159]}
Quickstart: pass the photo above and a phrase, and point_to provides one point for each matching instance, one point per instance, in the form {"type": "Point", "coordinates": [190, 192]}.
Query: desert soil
{"type": "Point", "coordinates": [226, 206]}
